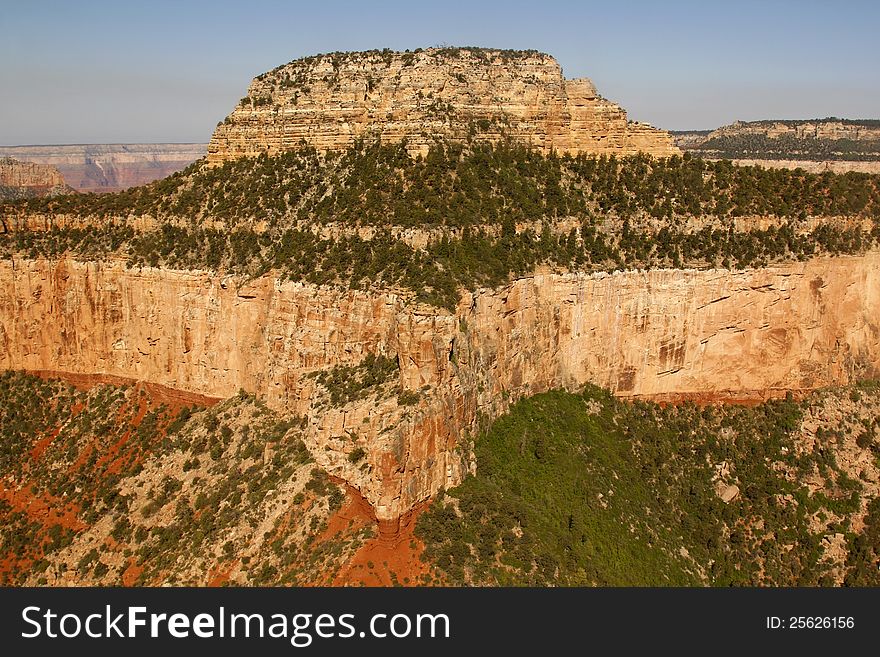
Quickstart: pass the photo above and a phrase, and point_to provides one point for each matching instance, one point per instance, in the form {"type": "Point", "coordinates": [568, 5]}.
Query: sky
{"type": "Point", "coordinates": [161, 71]}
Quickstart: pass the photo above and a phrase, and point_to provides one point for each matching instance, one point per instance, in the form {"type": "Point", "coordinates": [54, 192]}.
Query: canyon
{"type": "Point", "coordinates": [264, 339]}
{"type": "Point", "coordinates": [330, 101]}
{"type": "Point", "coordinates": [28, 180]}
{"type": "Point", "coordinates": [109, 167]}
{"type": "Point", "coordinates": [709, 335]}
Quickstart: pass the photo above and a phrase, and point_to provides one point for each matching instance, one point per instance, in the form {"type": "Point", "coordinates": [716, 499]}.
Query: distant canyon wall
{"type": "Point", "coordinates": [815, 166]}
{"type": "Point", "coordinates": [29, 180]}
{"type": "Point", "coordinates": [809, 129]}
{"type": "Point", "coordinates": [663, 334]}
{"type": "Point", "coordinates": [110, 167]}
{"type": "Point", "coordinates": [816, 146]}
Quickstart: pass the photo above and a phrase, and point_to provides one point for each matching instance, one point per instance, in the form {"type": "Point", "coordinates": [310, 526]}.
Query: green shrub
{"type": "Point", "coordinates": [356, 455]}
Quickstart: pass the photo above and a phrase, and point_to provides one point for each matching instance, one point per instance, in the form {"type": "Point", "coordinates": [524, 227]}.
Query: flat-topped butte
{"type": "Point", "coordinates": [330, 101]}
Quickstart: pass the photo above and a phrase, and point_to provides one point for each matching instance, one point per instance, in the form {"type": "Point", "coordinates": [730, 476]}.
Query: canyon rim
{"type": "Point", "coordinates": [326, 266]}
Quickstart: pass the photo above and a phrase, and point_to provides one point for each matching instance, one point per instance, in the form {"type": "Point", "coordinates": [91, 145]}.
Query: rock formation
{"type": "Point", "coordinates": [817, 145]}
{"type": "Point", "coordinates": [813, 166]}
{"type": "Point", "coordinates": [665, 334]}
{"type": "Point", "coordinates": [329, 101]}
{"type": "Point", "coordinates": [831, 128]}
{"type": "Point", "coordinates": [28, 180]}
{"type": "Point", "coordinates": [110, 167]}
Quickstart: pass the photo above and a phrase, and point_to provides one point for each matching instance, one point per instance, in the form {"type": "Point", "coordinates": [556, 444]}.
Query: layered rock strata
{"type": "Point", "coordinates": [662, 334]}
{"type": "Point", "coordinates": [110, 167]}
{"type": "Point", "coordinates": [833, 129]}
{"type": "Point", "coordinates": [816, 146]}
{"type": "Point", "coordinates": [29, 180]}
{"type": "Point", "coordinates": [330, 101]}
{"type": "Point", "coordinates": [815, 166]}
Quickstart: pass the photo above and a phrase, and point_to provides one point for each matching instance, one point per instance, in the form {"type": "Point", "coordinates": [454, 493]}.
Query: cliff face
{"type": "Point", "coordinates": [814, 166]}
{"type": "Point", "coordinates": [669, 333]}
{"type": "Point", "coordinates": [110, 167]}
{"type": "Point", "coordinates": [815, 129]}
{"type": "Point", "coordinates": [663, 334]}
{"type": "Point", "coordinates": [198, 331]}
{"type": "Point", "coordinates": [27, 180]}
{"type": "Point", "coordinates": [329, 101]}
{"type": "Point", "coordinates": [814, 145]}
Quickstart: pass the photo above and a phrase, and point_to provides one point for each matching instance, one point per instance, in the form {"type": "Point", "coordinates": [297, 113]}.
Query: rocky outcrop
{"type": "Point", "coordinates": [815, 166]}
{"type": "Point", "coordinates": [199, 332]}
{"type": "Point", "coordinates": [686, 139]}
{"type": "Point", "coordinates": [329, 101]}
{"type": "Point", "coordinates": [816, 145]}
{"type": "Point", "coordinates": [833, 129]}
{"type": "Point", "coordinates": [29, 180]}
{"type": "Point", "coordinates": [110, 167]}
{"type": "Point", "coordinates": [664, 334]}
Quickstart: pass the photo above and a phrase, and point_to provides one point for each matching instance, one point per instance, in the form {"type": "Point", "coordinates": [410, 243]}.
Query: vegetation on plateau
{"type": "Point", "coordinates": [585, 489]}
{"type": "Point", "coordinates": [9, 193]}
{"type": "Point", "coordinates": [386, 56]}
{"type": "Point", "coordinates": [750, 145]}
{"type": "Point", "coordinates": [789, 147]}
{"type": "Point", "coordinates": [489, 212]}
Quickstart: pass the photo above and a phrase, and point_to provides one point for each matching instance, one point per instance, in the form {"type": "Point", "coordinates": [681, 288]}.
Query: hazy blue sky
{"type": "Point", "coordinates": [101, 71]}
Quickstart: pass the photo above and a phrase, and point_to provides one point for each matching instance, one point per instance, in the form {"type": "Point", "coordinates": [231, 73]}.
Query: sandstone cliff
{"type": "Point", "coordinates": [329, 101]}
{"type": "Point", "coordinates": [815, 166]}
{"type": "Point", "coordinates": [27, 180]}
{"type": "Point", "coordinates": [110, 167]}
{"type": "Point", "coordinates": [817, 145]}
{"type": "Point", "coordinates": [665, 334]}
{"type": "Point", "coordinates": [831, 128]}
